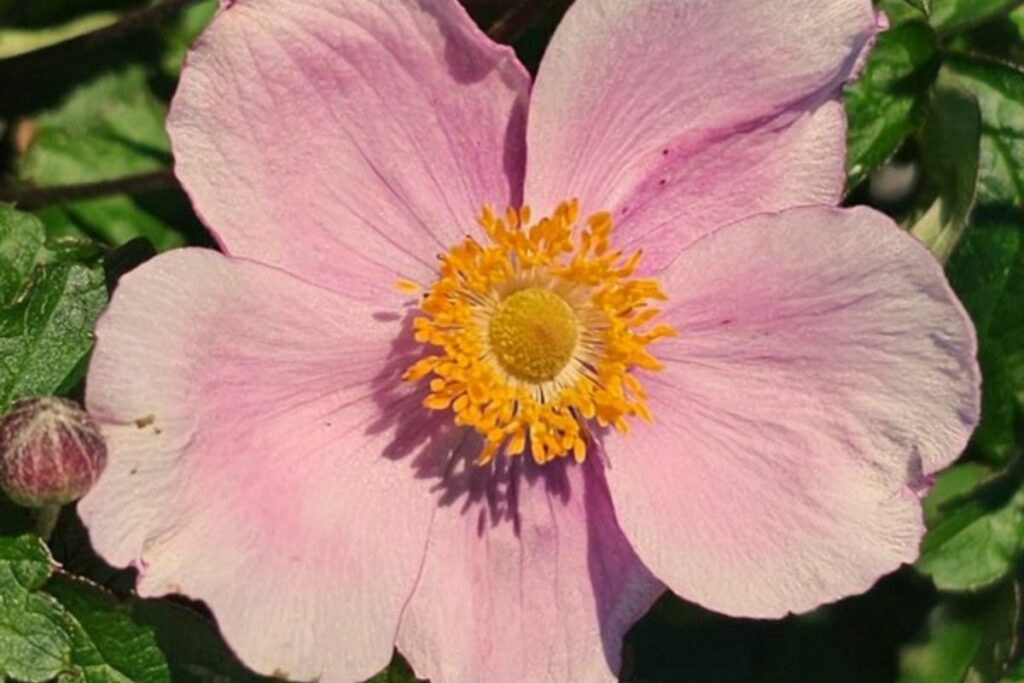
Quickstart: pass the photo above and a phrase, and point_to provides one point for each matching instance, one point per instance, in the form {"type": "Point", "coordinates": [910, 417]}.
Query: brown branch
{"type": "Point", "coordinates": [57, 56]}
{"type": "Point", "coordinates": [29, 198]}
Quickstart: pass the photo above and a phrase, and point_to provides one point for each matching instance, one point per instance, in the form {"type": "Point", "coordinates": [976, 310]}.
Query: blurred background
{"type": "Point", "coordinates": [936, 139]}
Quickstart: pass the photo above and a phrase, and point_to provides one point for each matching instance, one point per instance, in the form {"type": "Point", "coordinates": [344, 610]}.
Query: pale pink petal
{"type": "Point", "coordinates": [786, 162]}
{"type": "Point", "coordinates": [527, 578]}
{"type": "Point", "coordinates": [710, 107]}
{"type": "Point", "coordinates": [253, 430]}
{"type": "Point", "coordinates": [822, 369]}
{"type": "Point", "coordinates": [348, 142]}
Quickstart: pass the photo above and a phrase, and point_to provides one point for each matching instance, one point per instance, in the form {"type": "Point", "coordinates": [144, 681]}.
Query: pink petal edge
{"type": "Point", "coordinates": [255, 459]}
{"type": "Point", "coordinates": [822, 368]}
{"type": "Point", "coordinates": [348, 142]}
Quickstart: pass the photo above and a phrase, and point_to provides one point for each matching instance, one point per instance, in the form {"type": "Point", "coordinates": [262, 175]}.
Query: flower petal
{"type": "Point", "coordinates": [242, 409]}
{"type": "Point", "coordinates": [348, 142]}
{"type": "Point", "coordinates": [527, 578]}
{"type": "Point", "coordinates": [691, 103]}
{"type": "Point", "coordinates": [822, 369]}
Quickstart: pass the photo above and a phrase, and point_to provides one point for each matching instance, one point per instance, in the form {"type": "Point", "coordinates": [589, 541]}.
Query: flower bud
{"type": "Point", "coordinates": [51, 452]}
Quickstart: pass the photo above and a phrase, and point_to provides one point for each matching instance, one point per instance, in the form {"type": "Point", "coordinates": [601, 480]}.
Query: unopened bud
{"type": "Point", "coordinates": [51, 452]}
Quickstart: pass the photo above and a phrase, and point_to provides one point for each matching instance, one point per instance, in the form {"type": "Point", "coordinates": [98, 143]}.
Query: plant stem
{"type": "Point", "coordinates": [55, 57]}
{"type": "Point", "coordinates": [46, 520]}
{"type": "Point", "coordinates": [29, 198]}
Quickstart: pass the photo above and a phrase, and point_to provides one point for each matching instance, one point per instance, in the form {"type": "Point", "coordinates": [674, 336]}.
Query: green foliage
{"type": "Point", "coordinates": [35, 634]}
{"type": "Point", "coordinates": [966, 641]}
{"type": "Point", "coordinates": [942, 91]}
{"type": "Point", "coordinates": [951, 140]}
{"type": "Point", "coordinates": [47, 312]}
{"type": "Point", "coordinates": [974, 538]}
{"type": "Point", "coordinates": [108, 644]}
{"type": "Point", "coordinates": [884, 105]}
{"type": "Point", "coordinates": [950, 16]}
{"type": "Point", "coordinates": [107, 128]}
{"type": "Point", "coordinates": [999, 88]}
{"type": "Point", "coordinates": [193, 647]}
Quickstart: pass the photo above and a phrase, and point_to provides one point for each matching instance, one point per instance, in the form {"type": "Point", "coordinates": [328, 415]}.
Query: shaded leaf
{"type": "Point", "coordinates": [185, 28]}
{"type": "Point", "coordinates": [950, 149]}
{"type": "Point", "coordinates": [973, 542]}
{"type": "Point", "coordinates": [108, 645]}
{"type": "Point", "coordinates": [957, 15]}
{"type": "Point", "coordinates": [195, 651]}
{"type": "Point", "coordinates": [966, 640]}
{"type": "Point", "coordinates": [987, 272]}
{"type": "Point", "coordinates": [115, 118]}
{"type": "Point", "coordinates": [999, 88]}
{"type": "Point", "coordinates": [883, 105]}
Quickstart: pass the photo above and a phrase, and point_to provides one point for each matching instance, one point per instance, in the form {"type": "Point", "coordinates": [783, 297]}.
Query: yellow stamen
{"type": "Point", "coordinates": [407, 286]}
{"type": "Point", "coordinates": [536, 333]}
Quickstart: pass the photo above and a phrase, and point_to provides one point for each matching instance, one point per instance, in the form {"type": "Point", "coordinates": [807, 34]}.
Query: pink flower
{"type": "Point", "coordinates": [270, 450]}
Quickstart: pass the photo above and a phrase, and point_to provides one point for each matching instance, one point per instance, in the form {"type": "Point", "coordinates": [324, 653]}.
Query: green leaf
{"type": "Point", "coordinates": [21, 241]}
{"type": "Point", "coordinates": [115, 118]}
{"type": "Point", "coordinates": [973, 542]}
{"type": "Point", "coordinates": [955, 482]}
{"type": "Point", "coordinates": [35, 636]}
{"type": "Point", "coordinates": [108, 644]}
{"type": "Point", "coordinates": [899, 12]}
{"type": "Point", "coordinates": [194, 650]}
{"type": "Point", "coordinates": [883, 106]}
{"type": "Point", "coordinates": [999, 88]}
{"type": "Point", "coordinates": [186, 28]}
{"type": "Point", "coordinates": [987, 272]}
{"type": "Point", "coordinates": [921, 5]}
{"type": "Point", "coordinates": [951, 16]}
{"type": "Point", "coordinates": [46, 335]}
{"type": "Point", "coordinates": [966, 639]}
{"type": "Point", "coordinates": [950, 148]}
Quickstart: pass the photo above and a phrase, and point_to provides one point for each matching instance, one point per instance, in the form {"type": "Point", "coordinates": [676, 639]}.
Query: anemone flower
{"type": "Point", "coordinates": [396, 412]}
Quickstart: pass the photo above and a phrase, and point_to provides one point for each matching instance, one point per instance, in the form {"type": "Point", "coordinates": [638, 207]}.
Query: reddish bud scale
{"type": "Point", "coordinates": [51, 452]}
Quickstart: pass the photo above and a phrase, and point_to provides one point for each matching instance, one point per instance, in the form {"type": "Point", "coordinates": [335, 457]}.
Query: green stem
{"type": "Point", "coordinates": [46, 520]}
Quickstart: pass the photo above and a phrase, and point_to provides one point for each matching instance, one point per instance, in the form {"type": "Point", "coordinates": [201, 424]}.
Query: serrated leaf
{"type": "Point", "coordinates": [966, 639]}
{"type": "Point", "coordinates": [883, 105]}
{"type": "Point", "coordinates": [951, 143]}
{"type": "Point", "coordinates": [46, 335]}
{"type": "Point", "coordinates": [35, 636]}
{"type": "Point", "coordinates": [108, 644]}
{"type": "Point", "coordinates": [999, 88]}
{"type": "Point", "coordinates": [950, 16]}
{"type": "Point", "coordinates": [21, 241]}
{"type": "Point", "coordinates": [973, 541]}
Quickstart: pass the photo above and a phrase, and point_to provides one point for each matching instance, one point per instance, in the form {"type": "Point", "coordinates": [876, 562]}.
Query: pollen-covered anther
{"type": "Point", "coordinates": [536, 332]}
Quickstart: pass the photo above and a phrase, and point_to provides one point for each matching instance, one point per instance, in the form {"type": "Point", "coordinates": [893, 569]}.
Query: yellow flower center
{"type": "Point", "coordinates": [537, 333]}
{"type": "Point", "coordinates": [533, 333]}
